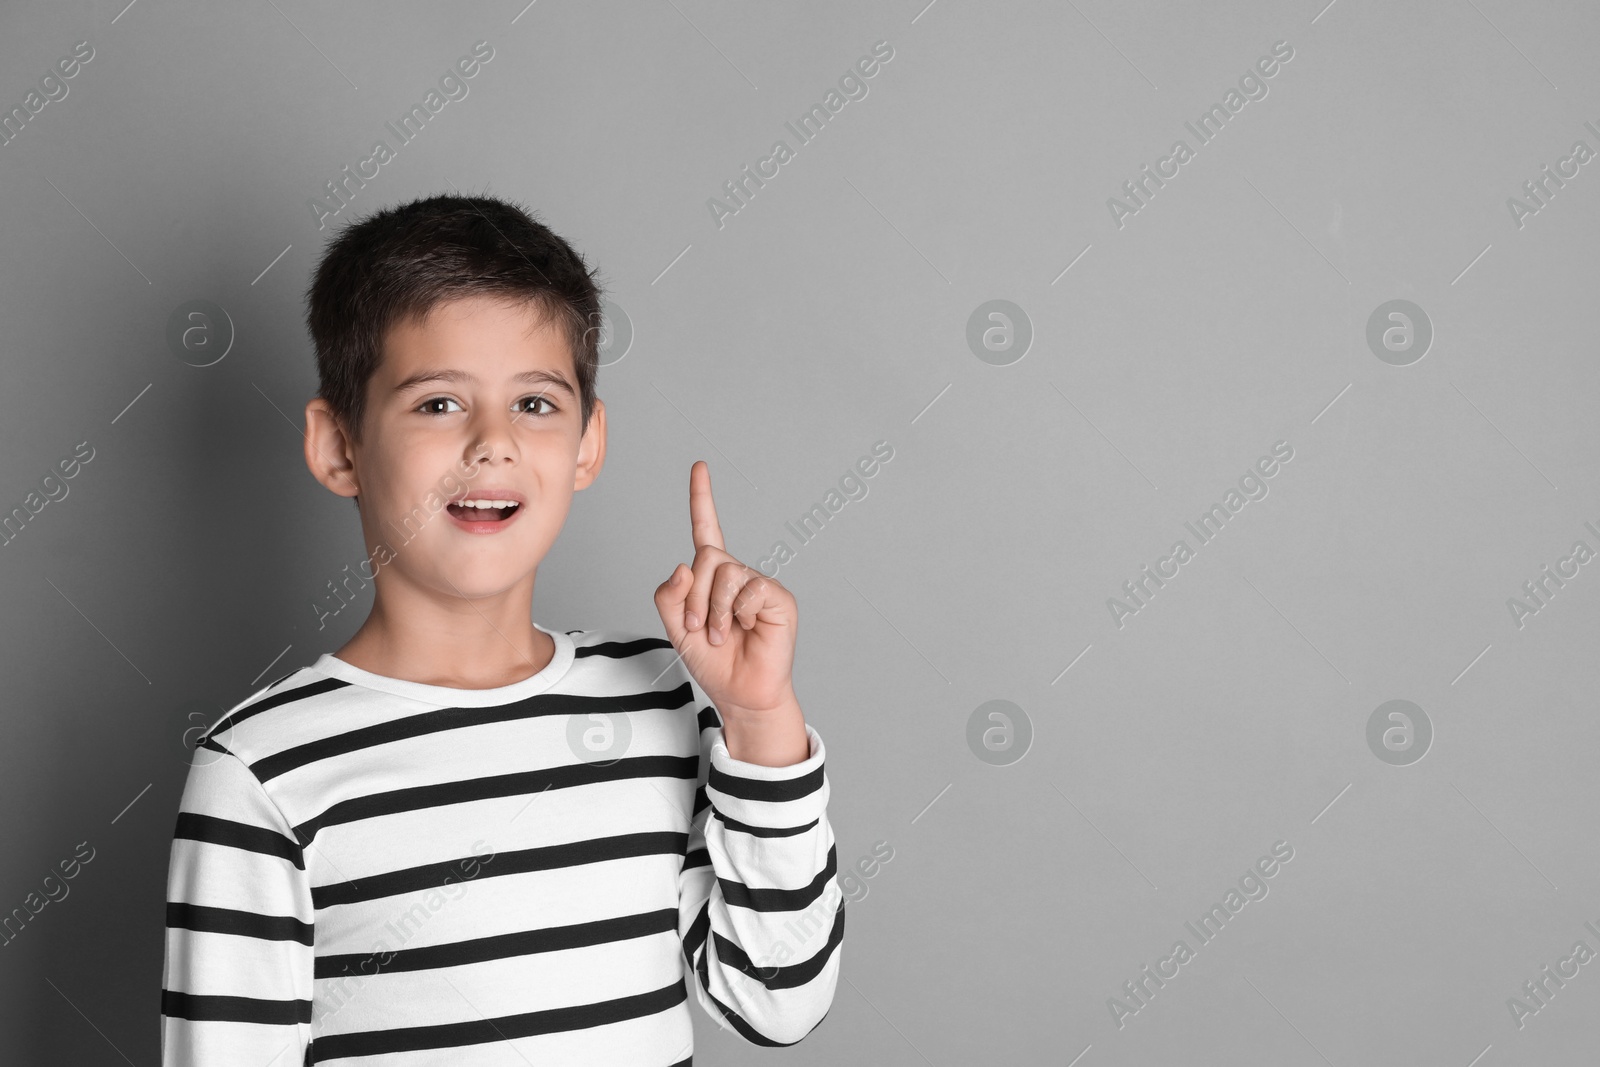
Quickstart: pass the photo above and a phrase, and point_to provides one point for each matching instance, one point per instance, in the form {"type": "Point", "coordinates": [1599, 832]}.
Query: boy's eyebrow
{"type": "Point", "coordinates": [533, 377]}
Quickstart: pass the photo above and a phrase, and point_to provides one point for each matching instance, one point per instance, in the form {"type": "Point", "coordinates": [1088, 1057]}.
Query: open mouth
{"type": "Point", "coordinates": [483, 510]}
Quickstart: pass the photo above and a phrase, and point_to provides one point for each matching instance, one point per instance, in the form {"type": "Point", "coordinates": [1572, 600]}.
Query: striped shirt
{"type": "Point", "coordinates": [368, 870]}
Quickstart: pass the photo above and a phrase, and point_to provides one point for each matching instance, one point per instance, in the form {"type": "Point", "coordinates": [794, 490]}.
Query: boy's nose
{"type": "Point", "coordinates": [493, 439]}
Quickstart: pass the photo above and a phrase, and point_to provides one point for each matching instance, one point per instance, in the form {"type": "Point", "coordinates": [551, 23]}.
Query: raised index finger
{"type": "Point", "coordinates": [702, 511]}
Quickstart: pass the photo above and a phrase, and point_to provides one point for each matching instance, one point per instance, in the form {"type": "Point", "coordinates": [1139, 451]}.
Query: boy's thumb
{"type": "Point", "coordinates": [671, 595]}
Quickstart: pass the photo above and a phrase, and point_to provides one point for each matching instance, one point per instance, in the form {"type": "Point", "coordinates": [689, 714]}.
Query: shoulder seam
{"type": "Point", "coordinates": [284, 819]}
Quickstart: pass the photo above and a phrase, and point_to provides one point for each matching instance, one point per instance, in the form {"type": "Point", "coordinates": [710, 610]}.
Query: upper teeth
{"type": "Point", "coordinates": [488, 503]}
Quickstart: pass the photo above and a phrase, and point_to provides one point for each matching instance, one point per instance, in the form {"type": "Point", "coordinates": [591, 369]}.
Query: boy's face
{"type": "Point", "coordinates": [479, 401]}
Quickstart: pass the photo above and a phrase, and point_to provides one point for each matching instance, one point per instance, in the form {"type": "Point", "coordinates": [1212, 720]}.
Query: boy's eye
{"type": "Point", "coordinates": [427, 408]}
{"type": "Point", "coordinates": [541, 399]}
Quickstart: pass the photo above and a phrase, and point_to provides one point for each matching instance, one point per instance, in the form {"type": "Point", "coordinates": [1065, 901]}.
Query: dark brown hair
{"type": "Point", "coordinates": [399, 263]}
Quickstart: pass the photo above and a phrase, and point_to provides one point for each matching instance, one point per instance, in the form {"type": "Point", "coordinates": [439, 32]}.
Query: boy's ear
{"type": "Point", "coordinates": [327, 449]}
{"type": "Point", "coordinates": [592, 449]}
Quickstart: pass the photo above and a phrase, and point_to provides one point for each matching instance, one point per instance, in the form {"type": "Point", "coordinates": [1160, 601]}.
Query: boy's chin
{"type": "Point", "coordinates": [476, 583]}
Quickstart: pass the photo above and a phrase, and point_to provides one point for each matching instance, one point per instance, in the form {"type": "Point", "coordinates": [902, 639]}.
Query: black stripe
{"type": "Point", "coordinates": [506, 1027]}
{"type": "Point", "coordinates": [701, 801]}
{"type": "Point", "coordinates": [196, 827]}
{"type": "Point", "coordinates": [707, 718]}
{"type": "Point", "coordinates": [687, 1062]}
{"type": "Point", "coordinates": [206, 1008]}
{"type": "Point", "coordinates": [698, 858]}
{"type": "Point", "coordinates": [740, 895]}
{"type": "Point", "coordinates": [771, 792]}
{"type": "Point", "coordinates": [288, 696]}
{"type": "Point", "coordinates": [443, 719]}
{"type": "Point", "coordinates": [697, 933]}
{"type": "Point", "coordinates": [622, 649]}
{"type": "Point", "coordinates": [745, 1030]}
{"type": "Point", "coordinates": [500, 946]}
{"type": "Point", "coordinates": [543, 858]}
{"type": "Point", "coordinates": [284, 677]}
{"type": "Point", "coordinates": [763, 831]}
{"type": "Point", "coordinates": [500, 785]}
{"type": "Point", "coordinates": [243, 923]}
{"type": "Point", "coordinates": [796, 974]}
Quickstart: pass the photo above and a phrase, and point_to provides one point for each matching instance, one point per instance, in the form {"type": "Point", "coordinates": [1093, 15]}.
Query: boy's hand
{"type": "Point", "coordinates": [735, 629]}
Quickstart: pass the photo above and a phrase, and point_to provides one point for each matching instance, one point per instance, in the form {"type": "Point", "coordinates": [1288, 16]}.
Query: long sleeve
{"type": "Point", "coordinates": [237, 977]}
{"type": "Point", "coordinates": [761, 916]}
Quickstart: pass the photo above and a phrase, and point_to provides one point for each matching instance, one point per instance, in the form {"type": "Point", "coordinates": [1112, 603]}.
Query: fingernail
{"type": "Point", "coordinates": [691, 621]}
{"type": "Point", "coordinates": [715, 636]}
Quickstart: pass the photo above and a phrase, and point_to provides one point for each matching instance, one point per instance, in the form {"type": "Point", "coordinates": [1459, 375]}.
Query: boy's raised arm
{"type": "Point", "coordinates": [760, 914]}
{"type": "Point", "coordinates": [237, 977]}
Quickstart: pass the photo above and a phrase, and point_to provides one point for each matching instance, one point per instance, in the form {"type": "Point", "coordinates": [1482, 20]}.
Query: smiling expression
{"type": "Point", "coordinates": [477, 403]}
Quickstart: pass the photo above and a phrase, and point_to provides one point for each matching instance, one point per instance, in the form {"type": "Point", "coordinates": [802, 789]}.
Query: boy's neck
{"type": "Point", "coordinates": [482, 644]}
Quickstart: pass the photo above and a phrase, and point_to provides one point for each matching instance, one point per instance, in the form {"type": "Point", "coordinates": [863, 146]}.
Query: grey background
{"type": "Point", "coordinates": [831, 313]}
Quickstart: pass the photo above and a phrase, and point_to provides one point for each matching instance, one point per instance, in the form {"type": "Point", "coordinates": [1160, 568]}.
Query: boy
{"type": "Point", "coordinates": [464, 829]}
